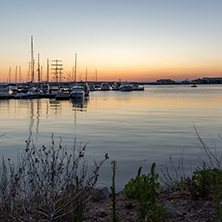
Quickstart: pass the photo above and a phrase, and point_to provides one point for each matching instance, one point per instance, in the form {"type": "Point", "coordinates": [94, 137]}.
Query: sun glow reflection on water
{"type": "Point", "coordinates": [135, 128]}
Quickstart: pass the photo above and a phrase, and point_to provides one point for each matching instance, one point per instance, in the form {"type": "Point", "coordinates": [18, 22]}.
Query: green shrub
{"type": "Point", "coordinates": [203, 182]}
{"type": "Point", "coordinates": [144, 188]}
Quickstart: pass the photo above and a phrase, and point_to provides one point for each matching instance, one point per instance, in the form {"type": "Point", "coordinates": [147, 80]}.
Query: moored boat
{"type": "Point", "coordinates": [77, 92]}
{"type": "Point", "coordinates": [64, 93]}
{"type": "Point", "coordinates": [126, 87]}
{"type": "Point", "coordinates": [4, 92]}
{"type": "Point", "coordinates": [86, 89]}
{"type": "Point", "coordinates": [105, 86]}
{"type": "Point", "coordinates": [137, 87]}
{"type": "Point", "coordinates": [116, 85]}
{"type": "Point", "coordinates": [28, 93]}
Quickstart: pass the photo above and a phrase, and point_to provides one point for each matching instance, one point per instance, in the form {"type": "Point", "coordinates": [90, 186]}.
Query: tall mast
{"type": "Point", "coordinates": [41, 73]}
{"type": "Point", "coordinates": [16, 74]}
{"type": "Point", "coordinates": [75, 65]}
{"type": "Point", "coordinates": [28, 73]}
{"type": "Point", "coordinates": [86, 75]}
{"type": "Point", "coordinates": [47, 70]}
{"type": "Point", "coordinates": [96, 75]}
{"type": "Point", "coordinates": [32, 61]}
{"type": "Point", "coordinates": [20, 74]}
{"type": "Point", "coordinates": [38, 68]}
{"type": "Point", "coordinates": [9, 75]}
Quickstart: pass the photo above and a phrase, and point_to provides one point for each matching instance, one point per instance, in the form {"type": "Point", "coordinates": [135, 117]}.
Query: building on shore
{"type": "Point", "coordinates": [165, 81]}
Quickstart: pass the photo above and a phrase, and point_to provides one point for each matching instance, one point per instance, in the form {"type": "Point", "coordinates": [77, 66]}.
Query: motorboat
{"type": "Point", "coordinates": [77, 92]}
{"type": "Point", "coordinates": [194, 85]}
{"type": "Point", "coordinates": [28, 93]}
{"type": "Point", "coordinates": [126, 87]}
{"type": "Point", "coordinates": [64, 93]}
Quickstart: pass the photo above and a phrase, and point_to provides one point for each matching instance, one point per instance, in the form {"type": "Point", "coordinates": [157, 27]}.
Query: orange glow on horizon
{"type": "Point", "coordinates": [114, 73]}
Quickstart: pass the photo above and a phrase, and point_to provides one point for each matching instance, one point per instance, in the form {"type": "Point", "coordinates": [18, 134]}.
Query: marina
{"type": "Point", "coordinates": [59, 90]}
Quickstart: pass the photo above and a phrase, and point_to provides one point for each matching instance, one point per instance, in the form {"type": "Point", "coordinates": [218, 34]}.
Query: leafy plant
{"type": "Point", "coordinates": [144, 188]}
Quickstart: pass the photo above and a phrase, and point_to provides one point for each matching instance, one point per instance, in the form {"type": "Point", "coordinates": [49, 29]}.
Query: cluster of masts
{"type": "Point", "coordinates": [56, 71]}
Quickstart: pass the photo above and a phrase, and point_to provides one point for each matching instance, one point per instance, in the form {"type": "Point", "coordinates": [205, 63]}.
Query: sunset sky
{"type": "Point", "coordinates": [140, 40]}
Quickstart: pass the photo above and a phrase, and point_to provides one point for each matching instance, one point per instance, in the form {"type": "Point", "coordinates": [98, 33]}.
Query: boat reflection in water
{"type": "Point", "coordinates": [80, 103]}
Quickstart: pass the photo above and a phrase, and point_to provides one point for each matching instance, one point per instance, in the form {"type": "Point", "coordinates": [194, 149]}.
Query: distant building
{"type": "Point", "coordinates": [215, 80]}
{"type": "Point", "coordinates": [197, 81]}
{"type": "Point", "coordinates": [165, 81]}
{"type": "Point", "coordinates": [206, 80]}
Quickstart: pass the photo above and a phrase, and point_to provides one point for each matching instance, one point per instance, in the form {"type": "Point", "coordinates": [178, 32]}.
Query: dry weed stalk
{"type": "Point", "coordinates": [47, 184]}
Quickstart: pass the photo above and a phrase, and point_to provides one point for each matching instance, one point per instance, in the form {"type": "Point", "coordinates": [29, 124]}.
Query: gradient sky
{"type": "Point", "coordinates": [140, 40]}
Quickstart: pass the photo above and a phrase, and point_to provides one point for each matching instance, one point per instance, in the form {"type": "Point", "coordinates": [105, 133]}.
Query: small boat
{"type": "Point", "coordinates": [126, 87]}
{"type": "Point", "coordinates": [86, 89]}
{"type": "Point", "coordinates": [77, 92]}
{"type": "Point", "coordinates": [116, 85]}
{"type": "Point", "coordinates": [137, 87]}
{"type": "Point", "coordinates": [64, 93]}
{"type": "Point", "coordinates": [28, 93]}
{"type": "Point", "coordinates": [21, 93]}
{"type": "Point", "coordinates": [53, 90]}
{"type": "Point", "coordinates": [105, 86]}
{"type": "Point", "coordinates": [92, 87]}
{"type": "Point", "coordinates": [12, 89]}
{"type": "Point", "coordinates": [4, 92]}
{"type": "Point", "coordinates": [194, 85]}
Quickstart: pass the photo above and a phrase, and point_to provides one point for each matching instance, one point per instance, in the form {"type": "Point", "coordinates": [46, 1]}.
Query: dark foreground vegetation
{"type": "Point", "coordinates": [54, 184]}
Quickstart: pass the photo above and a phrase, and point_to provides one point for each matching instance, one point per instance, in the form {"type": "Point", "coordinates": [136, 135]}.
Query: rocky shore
{"type": "Point", "coordinates": [178, 203]}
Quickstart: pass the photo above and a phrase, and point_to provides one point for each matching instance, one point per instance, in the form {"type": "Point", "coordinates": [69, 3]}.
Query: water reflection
{"type": "Point", "coordinates": [79, 104]}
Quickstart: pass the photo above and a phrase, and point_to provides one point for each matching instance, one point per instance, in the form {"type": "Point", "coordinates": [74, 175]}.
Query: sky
{"type": "Point", "coordinates": [131, 40]}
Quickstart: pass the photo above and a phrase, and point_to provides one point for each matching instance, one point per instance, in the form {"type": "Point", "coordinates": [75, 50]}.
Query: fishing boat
{"type": "Point", "coordinates": [77, 92]}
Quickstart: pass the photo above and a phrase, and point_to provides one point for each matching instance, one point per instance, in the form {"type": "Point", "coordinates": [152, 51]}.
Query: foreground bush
{"type": "Point", "coordinates": [47, 184]}
{"type": "Point", "coordinates": [144, 188]}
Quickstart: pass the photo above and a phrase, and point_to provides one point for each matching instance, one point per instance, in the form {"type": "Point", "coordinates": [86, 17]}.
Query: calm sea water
{"type": "Point", "coordinates": [135, 128]}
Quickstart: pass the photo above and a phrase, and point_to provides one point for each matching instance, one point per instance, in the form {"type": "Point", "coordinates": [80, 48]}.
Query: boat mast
{"type": "Point", "coordinates": [38, 68]}
{"type": "Point", "coordinates": [32, 61]}
{"type": "Point", "coordinates": [75, 66]}
{"type": "Point", "coordinates": [96, 75]}
{"type": "Point", "coordinates": [20, 74]}
{"type": "Point", "coordinates": [47, 70]}
{"type": "Point", "coordinates": [9, 75]}
{"type": "Point", "coordinates": [16, 74]}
